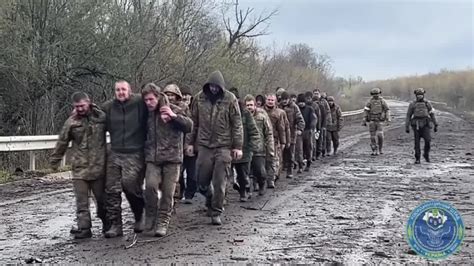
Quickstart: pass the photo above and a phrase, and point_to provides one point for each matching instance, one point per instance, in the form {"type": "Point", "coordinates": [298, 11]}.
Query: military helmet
{"type": "Point", "coordinates": [419, 91]}
{"type": "Point", "coordinates": [375, 91]}
{"type": "Point", "coordinates": [173, 88]}
{"type": "Point", "coordinates": [330, 99]}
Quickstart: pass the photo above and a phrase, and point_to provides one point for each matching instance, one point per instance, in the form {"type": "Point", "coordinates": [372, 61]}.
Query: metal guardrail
{"type": "Point", "coordinates": [48, 142]}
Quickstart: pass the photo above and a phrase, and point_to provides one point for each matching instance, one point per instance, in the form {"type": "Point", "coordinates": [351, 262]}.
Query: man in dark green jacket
{"type": "Point", "coordinates": [218, 137]}
{"type": "Point", "coordinates": [251, 143]}
{"type": "Point", "coordinates": [126, 122]}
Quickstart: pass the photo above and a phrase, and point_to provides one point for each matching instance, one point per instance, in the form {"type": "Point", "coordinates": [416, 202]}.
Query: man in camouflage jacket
{"type": "Point", "coordinates": [86, 130]}
{"type": "Point", "coordinates": [218, 137]}
{"type": "Point", "coordinates": [265, 150]}
{"type": "Point", "coordinates": [279, 124]}
{"type": "Point", "coordinates": [335, 126]}
{"type": "Point", "coordinates": [167, 124]}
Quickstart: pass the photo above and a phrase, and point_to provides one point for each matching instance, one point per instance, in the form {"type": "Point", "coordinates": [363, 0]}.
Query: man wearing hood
{"type": "Point", "coordinates": [86, 130]}
{"type": "Point", "coordinates": [251, 143]}
{"type": "Point", "coordinates": [167, 124]}
{"type": "Point", "coordinates": [218, 138]}
{"type": "Point", "coordinates": [304, 142]}
{"type": "Point", "coordinates": [279, 123]}
{"type": "Point", "coordinates": [296, 125]}
{"type": "Point", "coordinates": [260, 101]}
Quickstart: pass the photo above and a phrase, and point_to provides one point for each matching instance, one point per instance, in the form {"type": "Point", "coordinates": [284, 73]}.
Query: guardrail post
{"type": "Point", "coordinates": [32, 161]}
{"type": "Point", "coordinates": [63, 161]}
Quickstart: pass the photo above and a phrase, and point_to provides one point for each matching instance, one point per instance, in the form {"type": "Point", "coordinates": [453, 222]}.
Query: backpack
{"type": "Point", "coordinates": [376, 112]}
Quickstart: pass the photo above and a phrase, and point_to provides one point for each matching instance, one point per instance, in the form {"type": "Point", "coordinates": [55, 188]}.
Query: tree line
{"type": "Point", "coordinates": [51, 48]}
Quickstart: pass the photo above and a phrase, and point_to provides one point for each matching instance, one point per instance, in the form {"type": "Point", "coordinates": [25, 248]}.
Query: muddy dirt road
{"type": "Point", "coordinates": [349, 209]}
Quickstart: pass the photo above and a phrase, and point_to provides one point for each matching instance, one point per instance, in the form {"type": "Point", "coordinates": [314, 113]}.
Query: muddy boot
{"type": "Point", "coordinates": [262, 189]}
{"type": "Point", "coordinates": [74, 230]}
{"type": "Point", "coordinates": [83, 233]}
{"type": "Point", "coordinates": [255, 185]}
{"type": "Point", "coordinates": [114, 231]}
{"type": "Point", "coordinates": [243, 195]}
{"type": "Point", "coordinates": [216, 220]}
{"type": "Point", "coordinates": [139, 224]}
{"type": "Point", "coordinates": [380, 151]}
{"type": "Point", "coordinates": [308, 165]}
{"type": "Point", "coordinates": [335, 152]}
{"type": "Point", "coordinates": [236, 187]}
{"type": "Point", "coordinates": [427, 157]}
{"type": "Point", "coordinates": [161, 230]}
{"type": "Point", "coordinates": [271, 184]}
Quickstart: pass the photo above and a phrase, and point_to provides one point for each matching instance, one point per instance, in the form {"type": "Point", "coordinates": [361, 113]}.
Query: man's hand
{"type": "Point", "coordinates": [436, 128]}
{"type": "Point", "coordinates": [190, 150]}
{"type": "Point", "coordinates": [298, 132]}
{"type": "Point", "coordinates": [236, 154]}
{"type": "Point", "coordinates": [166, 110]}
{"type": "Point", "coordinates": [407, 130]}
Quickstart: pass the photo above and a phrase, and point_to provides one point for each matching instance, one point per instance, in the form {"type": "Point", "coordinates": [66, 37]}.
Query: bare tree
{"type": "Point", "coordinates": [245, 25]}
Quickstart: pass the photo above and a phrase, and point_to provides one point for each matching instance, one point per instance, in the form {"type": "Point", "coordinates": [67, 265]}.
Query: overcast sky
{"type": "Point", "coordinates": [377, 39]}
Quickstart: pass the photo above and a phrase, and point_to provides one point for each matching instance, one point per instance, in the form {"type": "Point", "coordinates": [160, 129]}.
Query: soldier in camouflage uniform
{"type": "Point", "coordinates": [296, 125]}
{"type": "Point", "coordinates": [335, 126]}
{"type": "Point", "coordinates": [86, 131]}
{"type": "Point", "coordinates": [279, 124]}
{"type": "Point", "coordinates": [420, 116]}
{"type": "Point", "coordinates": [167, 124]}
{"type": "Point", "coordinates": [126, 122]}
{"type": "Point", "coordinates": [251, 143]}
{"type": "Point", "coordinates": [218, 137]}
{"type": "Point", "coordinates": [265, 150]}
{"type": "Point", "coordinates": [317, 130]}
{"type": "Point", "coordinates": [325, 122]}
{"type": "Point", "coordinates": [376, 111]}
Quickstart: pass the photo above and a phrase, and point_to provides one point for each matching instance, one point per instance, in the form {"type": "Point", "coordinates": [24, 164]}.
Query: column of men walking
{"type": "Point", "coordinates": [162, 133]}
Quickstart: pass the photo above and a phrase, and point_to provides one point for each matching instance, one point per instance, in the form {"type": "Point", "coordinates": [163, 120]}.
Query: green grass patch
{"type": "Point", "coordinates": [5, 177]}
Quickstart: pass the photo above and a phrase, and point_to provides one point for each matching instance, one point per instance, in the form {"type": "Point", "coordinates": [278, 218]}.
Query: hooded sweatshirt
{"type": "Point", "coordinates": [216, 117]}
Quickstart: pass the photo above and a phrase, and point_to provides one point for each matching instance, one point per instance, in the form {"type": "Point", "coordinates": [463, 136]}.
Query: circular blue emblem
{"type": "Point", "coordinates": [435, 230]}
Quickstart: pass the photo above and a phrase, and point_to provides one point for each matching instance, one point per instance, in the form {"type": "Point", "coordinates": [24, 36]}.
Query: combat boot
{"type": "Point", "coordinates": [161, 230]}
{"type": "Point", "coordinates": [271, 184]}
{"type": "Point", "coordinates": [114, 231]}
{"type": "Point", "coordinates": [300, 169]}
{"type": "Point", "coordinates": [262, 189]}
{"type": "Point", "coordinates": [216, 220]}
{"type": "Point", "coordinates": [83, 233]}
{"type": "Point", "coordinates": [255, 185]}
{"type": "Point", "coordinates": [243, 195]}
{"type": "Point", "coordinates": [427, 157]}
{"type": "Point", "coordinates": [308, 165]}
{"type": "Point", "coordinates": [139, 224]}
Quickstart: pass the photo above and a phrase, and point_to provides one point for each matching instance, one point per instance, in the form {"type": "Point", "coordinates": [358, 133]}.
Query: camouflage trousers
{"type": "Point", "coordinates": [272, 165]}
{"type": "Point", "coordinates": [304, 147]}
{"type": "Point", "coordinates": [213, 169]}
{"type": "Point", "coordinates": [161, 178]}
{"type": "Point", "coordinates": [81, 192]}
{"type": "Point", "coordinates": [376, 135]}
{"type": "Point", "coordinates": [125, 171]}
{"type": "Point", "coordinates": [332, 138]}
